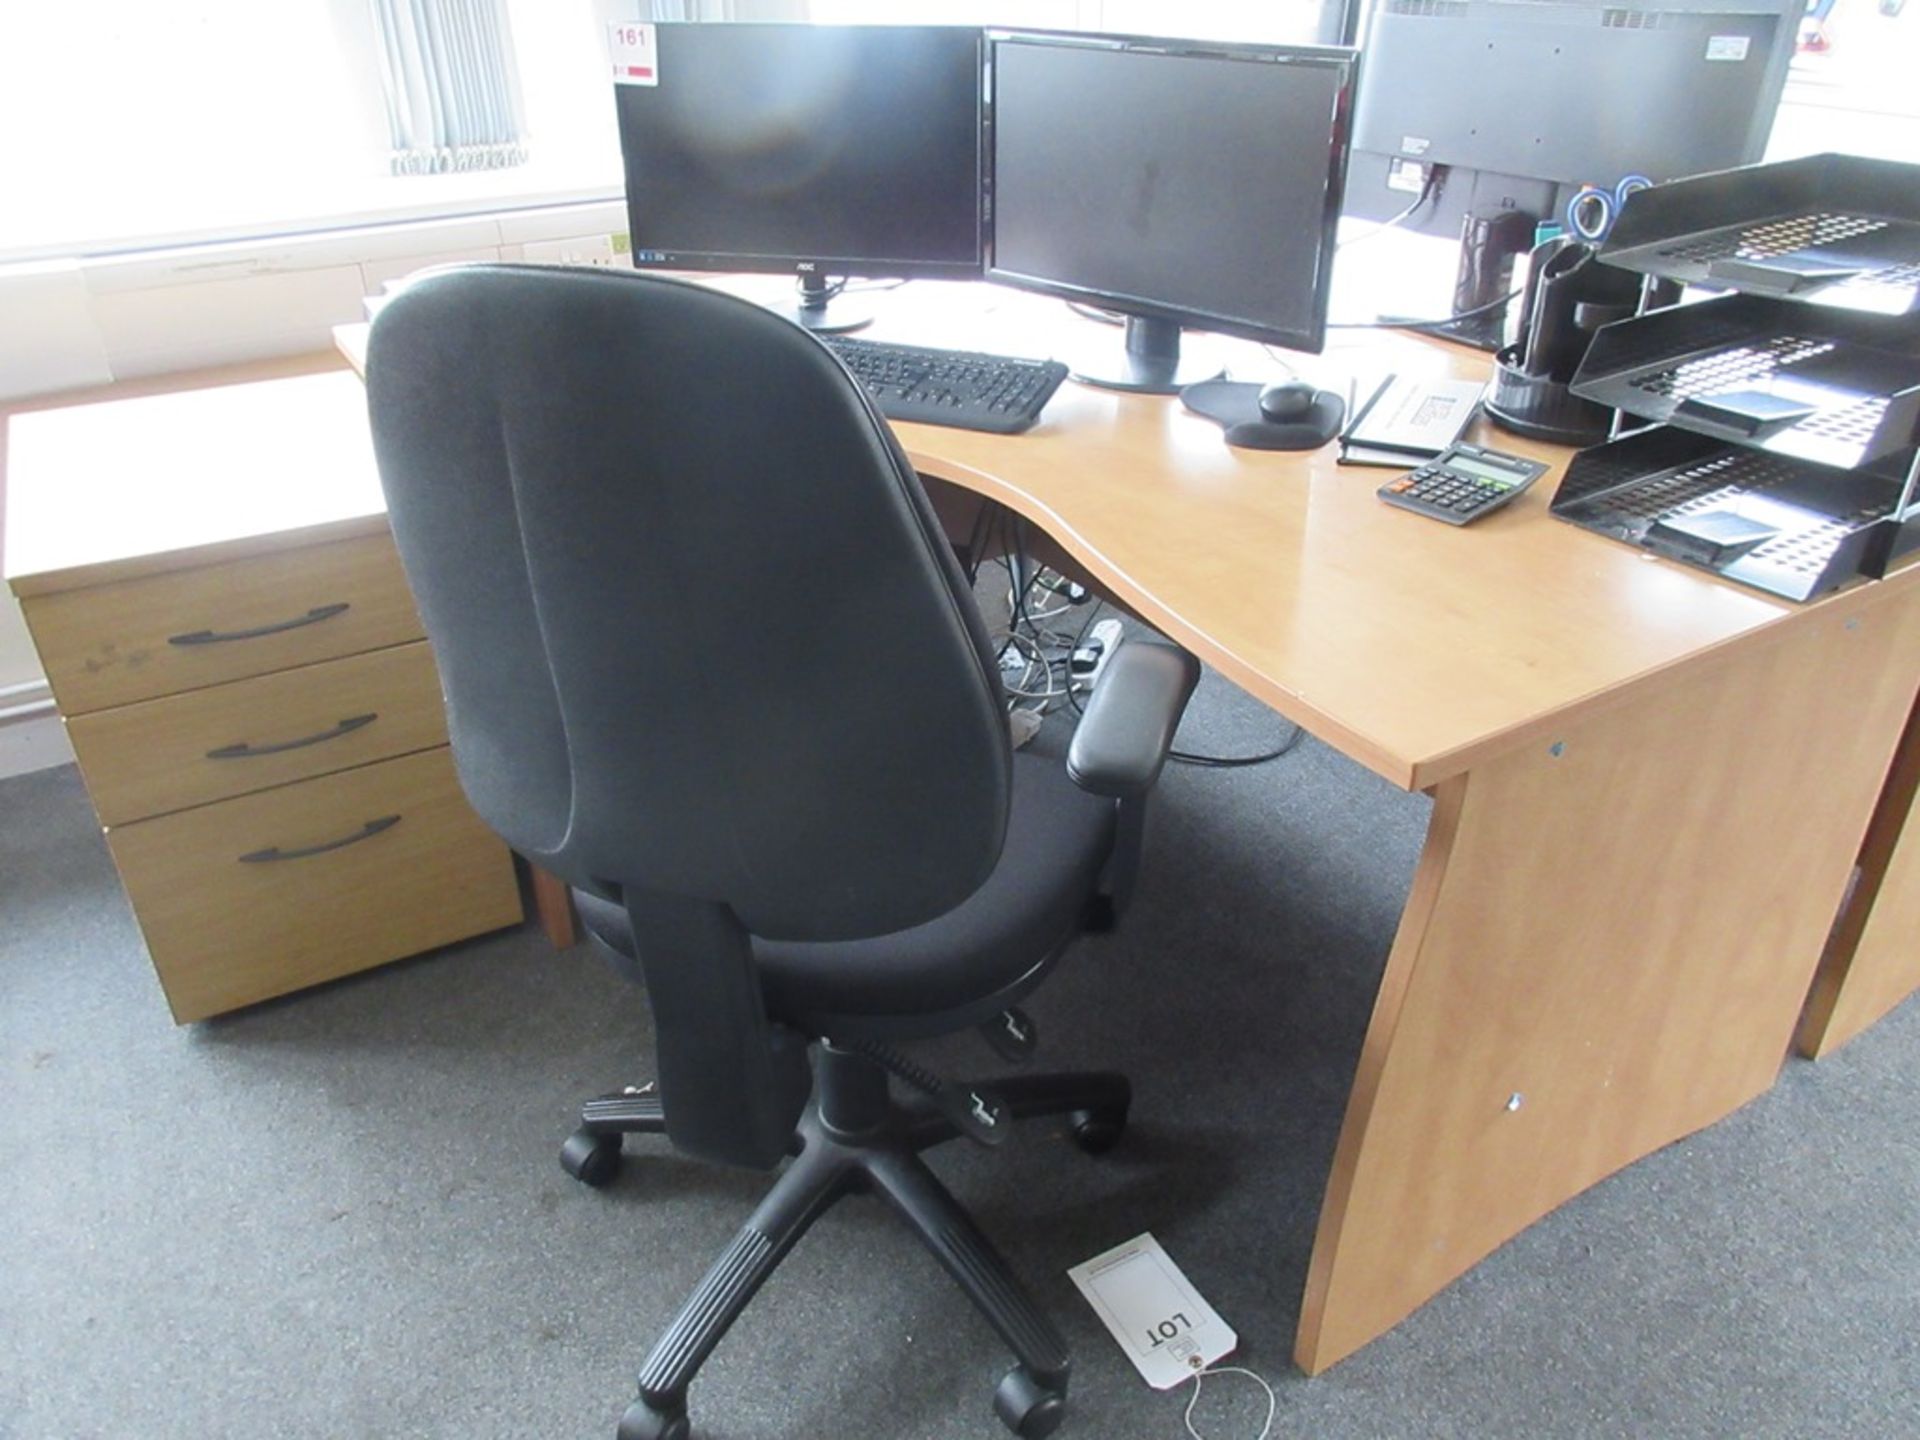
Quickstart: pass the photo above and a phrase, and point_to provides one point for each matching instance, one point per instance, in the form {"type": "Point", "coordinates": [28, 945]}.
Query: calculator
{"type": "Point", "coordinates": [1462, 483]}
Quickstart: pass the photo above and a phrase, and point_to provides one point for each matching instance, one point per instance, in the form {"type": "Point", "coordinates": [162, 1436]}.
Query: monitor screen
{"type": "Point", "coordinates": [838, 149]}
{"type": "Point", "coordinates": [1178, 180]}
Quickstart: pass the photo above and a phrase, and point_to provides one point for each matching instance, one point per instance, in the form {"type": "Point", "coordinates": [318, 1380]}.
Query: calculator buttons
{"type": "Point", "coordinates": [1458, 496]}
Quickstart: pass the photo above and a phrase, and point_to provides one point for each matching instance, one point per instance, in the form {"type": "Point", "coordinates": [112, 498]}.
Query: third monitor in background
{"type": "Point", "coordinates": [1488, 111]}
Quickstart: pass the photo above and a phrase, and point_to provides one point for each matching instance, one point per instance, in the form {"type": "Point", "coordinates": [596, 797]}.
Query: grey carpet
{"type": "Point", "coordinates": [339, 1215]}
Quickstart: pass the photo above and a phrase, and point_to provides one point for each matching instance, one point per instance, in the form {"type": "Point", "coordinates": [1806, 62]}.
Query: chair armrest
{"type": "Point", "coordinates": [1123, 739]}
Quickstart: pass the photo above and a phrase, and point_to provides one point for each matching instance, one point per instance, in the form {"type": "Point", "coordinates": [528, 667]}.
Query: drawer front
{"type": "Point", "coordinates": [268, 893]}
{"type": "Point", "coordinates": [115, 644]}
{"type": "Point", "coordinates": [180, 750]}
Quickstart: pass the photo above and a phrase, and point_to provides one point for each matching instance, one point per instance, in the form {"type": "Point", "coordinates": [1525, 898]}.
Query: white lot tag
{"type": "Point", "coordinates": [1167, 1330]}
{"type": "Point", "coordinates": [635, 57]}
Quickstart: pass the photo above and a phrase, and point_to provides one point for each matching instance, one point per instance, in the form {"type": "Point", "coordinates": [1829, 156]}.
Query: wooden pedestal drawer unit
{"type": "Point", "coordinates": [176, 751]}
{"type": "Point", "coordinates": [291, 886]}
{"type": "Point", "coordinates": [161, 634]}
{"type": "Point", "coordinates": [256, 715]}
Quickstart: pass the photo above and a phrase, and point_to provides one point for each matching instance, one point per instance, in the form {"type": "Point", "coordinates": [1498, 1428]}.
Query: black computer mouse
{"type": "Point", "coordinates": [1286, 402]}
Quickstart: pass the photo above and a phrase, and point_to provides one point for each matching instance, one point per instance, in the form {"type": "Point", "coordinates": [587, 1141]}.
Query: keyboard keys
{"type": "Point", "coordinates": [950, 387]}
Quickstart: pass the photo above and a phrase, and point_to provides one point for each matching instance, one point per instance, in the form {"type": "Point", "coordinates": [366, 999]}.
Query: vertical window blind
{"type": "Point", "coordinates": [451, 85]}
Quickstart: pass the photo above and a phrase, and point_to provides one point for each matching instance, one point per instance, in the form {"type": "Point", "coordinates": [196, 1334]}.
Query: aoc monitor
{"type": "Point", "coordinates": [813, 150]}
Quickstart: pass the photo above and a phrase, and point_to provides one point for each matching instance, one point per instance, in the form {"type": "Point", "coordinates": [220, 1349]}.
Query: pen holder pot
{"type": "Point", "coordinates": [1542, 408]}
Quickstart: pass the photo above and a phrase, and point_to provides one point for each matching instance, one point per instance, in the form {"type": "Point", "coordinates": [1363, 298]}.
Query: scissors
{"type": "Point", "coordinates": [1592, 211]}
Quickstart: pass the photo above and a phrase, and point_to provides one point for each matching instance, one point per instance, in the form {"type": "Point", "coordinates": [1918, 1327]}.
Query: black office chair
{"type": "Point", "coordinates": [708, 657]}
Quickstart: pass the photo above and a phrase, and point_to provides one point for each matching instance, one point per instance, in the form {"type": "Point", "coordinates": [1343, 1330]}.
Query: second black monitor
{"type": "Point", "coordinates": [1178, 182]}
{"type": "Point", "coordinates": [807, 149]}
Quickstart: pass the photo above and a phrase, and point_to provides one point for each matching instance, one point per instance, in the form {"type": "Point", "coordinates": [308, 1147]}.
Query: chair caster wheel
{"type": "Point", "coordinates": [591, 1159]}
{"type": "Point", "coordinates": [1098, 1131]}
{"type": "Point", "coordinates": [643, 1422]}
{"type": "Point", "coordinates": [1027, 1407]}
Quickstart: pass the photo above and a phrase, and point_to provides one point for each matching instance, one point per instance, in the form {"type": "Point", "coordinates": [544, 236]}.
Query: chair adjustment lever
{"type": "Point", "coordinates": [1013, 1035]}
{"type": "Point", "coordinates": [635, 1104]}
{"type": "Point", "coordinates": [976, 1111]}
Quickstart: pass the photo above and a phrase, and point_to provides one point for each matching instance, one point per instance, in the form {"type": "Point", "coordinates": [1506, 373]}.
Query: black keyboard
{"type": "Point", "coordinates": [950, 387]}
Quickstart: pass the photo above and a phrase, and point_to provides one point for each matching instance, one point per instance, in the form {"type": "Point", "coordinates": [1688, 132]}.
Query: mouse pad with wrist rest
{"type": "Point", "coordinates": [1235, 405]}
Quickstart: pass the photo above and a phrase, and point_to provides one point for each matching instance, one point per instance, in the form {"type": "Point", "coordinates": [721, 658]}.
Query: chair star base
{"type": "Point", "coordinates": [856, 1138]}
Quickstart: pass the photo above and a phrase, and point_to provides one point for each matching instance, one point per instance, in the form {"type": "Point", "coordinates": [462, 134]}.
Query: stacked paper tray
{"type": "Point", "coordinates": [1835, 231]}
{"type": "Point", "coordinates": [1827, 386]}
{"type": "Point", "coordinates": [1789, 527]}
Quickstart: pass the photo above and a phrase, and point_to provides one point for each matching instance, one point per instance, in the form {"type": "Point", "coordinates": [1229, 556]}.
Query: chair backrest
{"type": "Point", "coordinates": [698, 629]}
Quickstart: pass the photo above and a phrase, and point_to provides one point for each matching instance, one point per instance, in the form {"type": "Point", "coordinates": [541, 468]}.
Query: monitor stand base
{"type": "Point", "coordinates": [835, 319]}
{"type": "Point", "coordinates": [824, 311]}
{"type": "Point", "coordinates": [1150, 364]}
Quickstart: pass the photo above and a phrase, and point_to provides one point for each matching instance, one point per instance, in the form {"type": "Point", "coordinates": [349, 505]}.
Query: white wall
{"type": "Point", "coordinates": [18, 664]}
{"type": "Point", "coordinates": [118, 317]}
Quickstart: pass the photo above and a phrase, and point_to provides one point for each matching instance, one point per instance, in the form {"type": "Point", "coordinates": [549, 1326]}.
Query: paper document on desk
{"type": "Point", "coordinates": [1409, 418]}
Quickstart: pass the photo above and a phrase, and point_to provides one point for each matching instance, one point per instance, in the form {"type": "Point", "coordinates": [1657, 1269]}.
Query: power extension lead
{"type": "Point", "coordinates": [1089, 662]}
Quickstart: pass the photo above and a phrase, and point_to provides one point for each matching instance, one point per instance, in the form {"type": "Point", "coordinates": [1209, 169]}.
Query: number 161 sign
{"type": "Point", "coordinates": [635, 53]}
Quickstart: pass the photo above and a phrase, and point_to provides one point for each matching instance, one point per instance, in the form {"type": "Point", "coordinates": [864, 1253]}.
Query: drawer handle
{"type": "Point", "coordinates": [245, 750]}
{"type": "Point", "coordinates": [365, 832]}
{"type": "Point", "coordinates": [216, 637]}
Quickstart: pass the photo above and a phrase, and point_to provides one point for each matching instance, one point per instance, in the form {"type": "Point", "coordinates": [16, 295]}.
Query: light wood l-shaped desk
{"type": "Point", "coordinates": [1650, 790]}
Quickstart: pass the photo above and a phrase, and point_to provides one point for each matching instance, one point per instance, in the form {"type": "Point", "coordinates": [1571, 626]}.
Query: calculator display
{"type": "Point", "coordinates": [1480, 470]}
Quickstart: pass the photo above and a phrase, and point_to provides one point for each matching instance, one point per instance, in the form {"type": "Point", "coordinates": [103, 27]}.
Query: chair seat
{"type": "Point", "coordinates": [964, 966]}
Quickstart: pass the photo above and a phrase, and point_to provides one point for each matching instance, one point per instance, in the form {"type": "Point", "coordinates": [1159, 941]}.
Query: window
{"type": "Point", "coordinates": [1280, 22]}
{"type": "Point", "coordinates": [1034, 14]}
{"type": "Point", "coordinates": [1291, 22]}
{"type": "Point", "coordinates": [142, 122]}
{"type": "Point", "coordinates": [1850, 87]}
{"type": "Point", "coordinates": [132, 122]}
